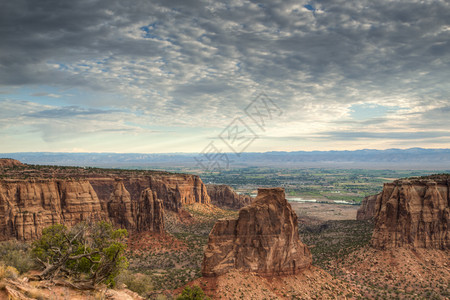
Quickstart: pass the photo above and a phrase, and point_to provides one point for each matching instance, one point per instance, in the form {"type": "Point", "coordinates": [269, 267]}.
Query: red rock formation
{"type": "Point", "coordinates": [9, 162]}
{"type": "Point", "coordinates": [26, 207]}
{"type": "Point", "coordinates": [120, 208]}
{"type": "Point", "coordinates": [175, 190]}
{"type": "Point", "coordinates": [264, 239]}
{"type": "Point", "coordinates": [413, 213]}
{"type": "Point", "coordinates": [150, 212]}
{"type": "Point", "coordinates": [367, 208]}
{"type": "Point", "coordinates": [224, 196]}
{"type": "Point", "coordinates": [129, 199]}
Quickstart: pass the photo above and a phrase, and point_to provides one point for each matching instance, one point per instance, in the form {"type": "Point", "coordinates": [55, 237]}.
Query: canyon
{"type": "Point", "coordinates": [132, 200]}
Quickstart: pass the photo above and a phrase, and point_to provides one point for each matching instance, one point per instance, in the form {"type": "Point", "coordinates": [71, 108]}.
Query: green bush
{"type": "Point", "coordinates": [87, 252]}
{"type": "Point", "coordinates": [8, 272]}
{"type": "Point", "coordinates": [139, 283]}
{"type": "Point", "coordinates": [17, 255]}
{"type": "Point", "coordinates": [192, 293]}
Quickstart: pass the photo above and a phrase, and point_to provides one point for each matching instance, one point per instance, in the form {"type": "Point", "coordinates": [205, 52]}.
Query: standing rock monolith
{"type": "Point", "coordinates": [264, 239]}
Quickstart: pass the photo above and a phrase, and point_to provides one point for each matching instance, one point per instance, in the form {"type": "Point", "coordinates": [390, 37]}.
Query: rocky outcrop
{"type": "Point", "coordinates": [9, 163]}
{"type": "Point", "coordinates": [264, 239]}
{"type": "Point", "coordinates": [413, 213]}
{"type": "Point", "coordinates": [367, 209]}
{"type": "Point", "coordinates": [120, 208]}
{"type": "Point", "coordinates": [224, 196]}
{"type": "Point", "coordinates": [133, 202]}
{"type": "Point", "coordinates": [175, 190]}
{"type": "Point", "coordinates": [150, 212]}
{"type": "Point", "coordinates": [28, 206]}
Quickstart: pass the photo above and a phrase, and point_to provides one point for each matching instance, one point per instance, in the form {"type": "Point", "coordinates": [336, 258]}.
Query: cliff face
{"type": "Point", "coordinates": [150, 212]}
{"type": "Point", "coordinates": [224, 196]}
{"type": "Point", "coordinates": [264, 239]}
{"type": "Point", "coordinates": [26, 207]}
{"type": "Point", "coordinates": [135, 203]}
{"type": "Point", "coordinates": [367, 208]}
{"type": "Point", "coordinates": [413, 213]}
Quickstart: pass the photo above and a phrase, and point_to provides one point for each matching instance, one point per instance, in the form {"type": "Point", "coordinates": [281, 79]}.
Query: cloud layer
{"type": "Point", "coordinates": [173, 74]}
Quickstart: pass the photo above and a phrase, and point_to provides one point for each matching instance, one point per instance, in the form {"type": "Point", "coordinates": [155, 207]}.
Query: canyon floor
{"type": "Point", "coordinates": [344, 266]}
{"type": "Point", "coordinates": [316, 213]}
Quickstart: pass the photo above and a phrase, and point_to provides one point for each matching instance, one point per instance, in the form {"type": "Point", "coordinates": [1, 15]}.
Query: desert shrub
{"type": "Point", "coordinates": [139, 283]}
{"type": "Point", "coordinates": [89, 253]}
{"type": "Point", "coordinates": [8, 272]}
{"type": "Point", "coordinates": [192, 293]}
{"type": "Point", "coordinates": [17, 255]}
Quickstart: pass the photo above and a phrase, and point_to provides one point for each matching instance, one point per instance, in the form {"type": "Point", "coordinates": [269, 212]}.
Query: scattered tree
{"type": "Point", "coordinates": [87, 253]}
{"type": "Point", "coordinates": [192, 293]}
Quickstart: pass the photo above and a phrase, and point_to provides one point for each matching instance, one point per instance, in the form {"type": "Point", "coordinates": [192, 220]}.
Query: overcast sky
{"type": "Point", "coordinates": [171, 76]}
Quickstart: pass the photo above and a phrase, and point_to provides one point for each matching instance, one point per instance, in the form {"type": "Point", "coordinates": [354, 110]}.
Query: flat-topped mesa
{"type": "Point", "coordinates": [367, 209]}
{"type": "Point", "coordinates": [413, 213]}
{"type": "Point", "coordinates": [28, 206]}
{"type": "Point", "coordinates": [224, 196]}
{"type": "Point", "coordinates": [263, 239]}
{"type": "Point", "coordinates": [134, 202]}
{"type": "Point", "coordinates": [9, 163]}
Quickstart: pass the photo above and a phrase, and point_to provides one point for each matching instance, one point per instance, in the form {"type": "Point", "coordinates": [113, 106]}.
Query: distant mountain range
{"type": "Point", "coordinates": [414, 158]}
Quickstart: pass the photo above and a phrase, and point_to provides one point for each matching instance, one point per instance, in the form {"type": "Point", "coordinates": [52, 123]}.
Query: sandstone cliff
{"type": "Point", "coordinates": [224, 196]}
{"type": "Point", "coordinates": [264, 239]}
{"type": "Point", "coordinates": [131, 200]}
{"type": "Point", "coordinates": [175, 190]}
{"type": "Point", "coordinates": [28, 206]}
{"type": "Point", "coordinates": [150, 212]}
{"type": "Point", "coordinates": [413, 213]}
{"type": "Point", "coordinates": [367, 208]}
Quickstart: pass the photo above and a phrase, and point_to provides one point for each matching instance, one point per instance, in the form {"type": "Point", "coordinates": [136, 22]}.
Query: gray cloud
{"type": "Point", "coordinates": [345, 135]}
{"type": "Point", "coordinates": [204, 61]}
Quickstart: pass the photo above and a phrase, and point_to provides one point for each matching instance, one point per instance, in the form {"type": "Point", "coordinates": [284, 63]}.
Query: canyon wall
{"type": "Point", "coordinates": [224, 196]}
{"type": "Point", "coordinates": [135, 203]}
{"type": "Point", "coordinates": [28, 206]}
{"type": "Point", "coordinates": [413, 213]}
{"type": "Point", "coordinates": [367, 209]}
{"type": "Point", "coordinates": [264, 239]}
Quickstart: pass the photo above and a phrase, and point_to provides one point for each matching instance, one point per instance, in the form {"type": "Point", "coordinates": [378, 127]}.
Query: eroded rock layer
{"type": "Point", "coordinates": [28, 206]}
{"type": "Point", "coordinates": [224, 196]}
{"type": "Point", "coordinates": [367, 209]}
{"type": "Point", "coordinates": [264, 239]}
{"type": "Point", "coordinates": [133, 202]}
{"type": "Point", "coordinates": [413, 213]}
{"type": "Point", "coordinates": [150, 212]}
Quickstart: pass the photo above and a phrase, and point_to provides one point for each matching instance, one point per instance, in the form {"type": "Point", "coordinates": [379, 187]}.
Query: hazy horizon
{"type": "Point", "coordinates": [230, 152]}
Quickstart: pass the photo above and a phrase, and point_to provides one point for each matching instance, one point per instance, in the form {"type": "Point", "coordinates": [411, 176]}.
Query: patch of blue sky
{"type": "Point", "coordinates": [52, 96]}
{"type": "Point", "coordinates": [309, 7]}
{"type": "Point", "coordinates": [149, 31]}
{"type": "Point", "coordinates": [45, 95]}
{"type": "Point", "coordinates": [369, 111]}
